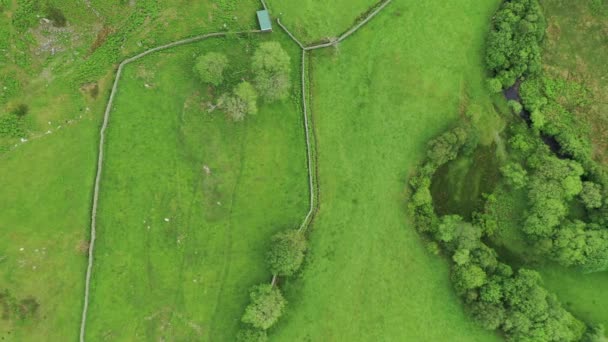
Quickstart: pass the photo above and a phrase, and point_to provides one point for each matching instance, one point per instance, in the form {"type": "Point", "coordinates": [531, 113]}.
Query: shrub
{"type": "Point", "coordinates": [251, 335]}
{"type": "Point", "coordinates": [515, 174]}
{"type": "Point", "coordinates": [210, 68]}
{"type": "Point", "coordinates": [271, 66]}
{"type": "Point", "coordinates": [591, 195]}
{"type": "Point", "coordinates": [241, 103]}
{"type": "Point", "coordinates": [266, 307]}
{"type": "Point", "coordinates": [286, 253]}
{"type": "Point", "coordinates": [11, 126]}
{"type": "Point", "coordinates": [494, 85]}
{"type": "Point", "coordinates": [515, 106]}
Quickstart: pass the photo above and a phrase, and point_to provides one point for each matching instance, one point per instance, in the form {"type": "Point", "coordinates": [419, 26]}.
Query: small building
{"type": "Point", "coordinates": [264, 20]}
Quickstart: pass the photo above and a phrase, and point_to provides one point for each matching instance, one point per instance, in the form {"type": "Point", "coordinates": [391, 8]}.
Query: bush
{"type": "Point", "coordinates": [11, 126]}
{"type": "Point", "coordinates": [251, 335]}
{"type": "Point", "coordinates": [266, 307]}
{"type": "Point", "coordinates": [286, 253]}
{"type": "Point", "coordinates": [210, 68]}
{"type": "Point", "coordinates": [271, 66]}
{"type": "Point", "coordinates": [241, 103]}
{"type": "Point", "coordinates": [591, 195]}
{"type": "Point", "coordinates": [515, 106]}
{"type": "Point", "coordinates": [494, 85]}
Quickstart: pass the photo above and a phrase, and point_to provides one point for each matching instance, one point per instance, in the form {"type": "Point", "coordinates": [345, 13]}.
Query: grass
{"type": "Point", "coordinates": [45, 191]}
{"type": "Point", "coordinates": [313, 21]}
{"type": "Point", "coordinates": [179, 246]}
{"type": "Point", "coordinates": [378, 98]}
{"type": "Point", "coordinates": [575, 50]}
{"type": "Point", "coordinates": [45, 185]}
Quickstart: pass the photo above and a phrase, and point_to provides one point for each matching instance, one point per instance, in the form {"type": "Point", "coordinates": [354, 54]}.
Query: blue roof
{"type": "Point", "coordinates": [264, 19]}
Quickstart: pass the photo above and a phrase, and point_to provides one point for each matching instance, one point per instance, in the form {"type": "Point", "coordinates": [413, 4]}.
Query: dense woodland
{"type": "Point", "coordinates": [549, 159]}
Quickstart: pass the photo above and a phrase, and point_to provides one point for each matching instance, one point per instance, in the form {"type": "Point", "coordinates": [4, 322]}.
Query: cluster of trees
{"type": "Point", "coordinates": [552, 185]}
{"type": "Point", "coordinates": [284, 258]}
{"type": "Point", "coordinates": [513, 44]}
{"type": "Point", "coordinates": [499, 298]}
{"type": "Point", "coordinates": [270, 67]}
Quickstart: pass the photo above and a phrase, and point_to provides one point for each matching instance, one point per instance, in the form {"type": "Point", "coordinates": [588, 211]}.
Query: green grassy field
{"type": "Point", "coordinates": [45, 190]}
{"type": "Point", "coordinates": [312, 21]}
{"type": "Point", "coordinates": [189, 200]}
{"type": "Point", "coordinates": [378, 98]}
{"type": "Point", "coordinates": [46, 183]}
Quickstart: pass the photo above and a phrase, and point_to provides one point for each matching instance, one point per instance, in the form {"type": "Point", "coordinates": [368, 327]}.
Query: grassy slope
{"type": "Point", "coordinates": [44, 207]}
{"type": "Point", "coordinates": [377, 100]}
{"type": "Point", "coordinates": [314, 20]}
{"type": "Point", "coordinates": [45, 184]}
{"type": "Point", "coordinates": [188, 279]}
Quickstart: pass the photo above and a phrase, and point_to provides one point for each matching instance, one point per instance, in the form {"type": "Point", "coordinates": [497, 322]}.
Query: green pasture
{"type": "Point", "coordinates": [190, 199]}
{"type": "Point", "coordinates": [377, 99]}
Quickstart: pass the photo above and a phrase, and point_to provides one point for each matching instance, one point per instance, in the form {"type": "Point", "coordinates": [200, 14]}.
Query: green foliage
{"type": "Point", "coordinates": [9, 87]}
{"type": "Point", "coordinates": [494, 85]}
{"type": "Point", "coordinates": [286, 252]}
{"type": "Point", "coordinates": [210, 67]}
{"type": "Point", "coordinates": [513, 44]}
{"type": "Point", "coordinates": [515, 175]}
{"type": "Point", "coordinates": [241, 103]}
{"type": "Point", "coordinates": [11, 126]}
{"type": "Point", "coordinates": [497, 298]}
{"type": "Point", "coordinates": [25, 14]}
{"type": "Point", "coordinates": [541, 96]}
{"type": "Point", "coordinates": [591, 195]}
{"type": "Point", "coordinates": [515, 106]}
{"type": "Point", "coordinates": [251, 335]}
{"type": "Point", "coordinates": [271, 66]}
{"type": "Point", "coordinates": [266, 306]}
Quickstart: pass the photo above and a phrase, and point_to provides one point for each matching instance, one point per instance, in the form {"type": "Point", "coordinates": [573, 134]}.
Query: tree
{"type": "Point", "coordinates": [494, 85]}
{"type": "Point", "coordinates": [271, 66]}
{"type": "Point", "coordinates": [468, 277]}
{"type": "Point", "coordinates": [515, 106]}
{"type": "Point", "coordinates": [591, 195]}
{"type": "Point", "coordinates": [286, 253]}
{"type": "Point", "coordinates": [210, 67]}
{"type": "Point", "coordinates": [515, 174]}
{"type": "Point", "coordinates": [241, 103]}
{"type": "Point", "coordinates": [267, 304]}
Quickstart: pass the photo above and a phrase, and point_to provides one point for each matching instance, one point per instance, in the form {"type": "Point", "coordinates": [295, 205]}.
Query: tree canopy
{"type": "Point", "coordinates": [271, 67]}
{"type": "Point", "coordinates": [241, 103]}
{"type": "Point", "coordinates": [286, 252]}
{"type": "Point", "coordinates": [266, 306]}
{"type": "Point", "coordinates": [210, 67]}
